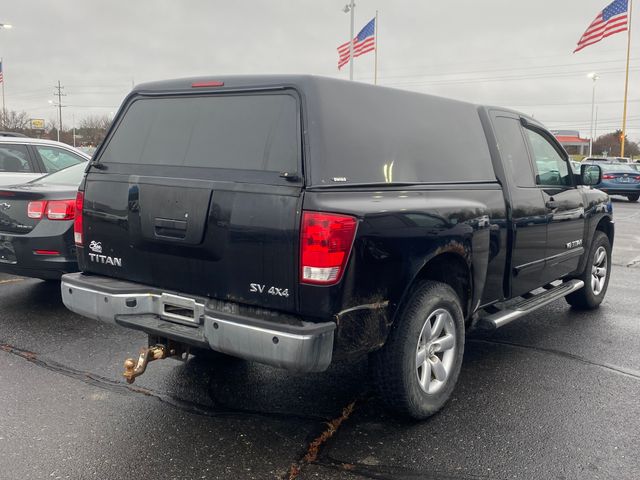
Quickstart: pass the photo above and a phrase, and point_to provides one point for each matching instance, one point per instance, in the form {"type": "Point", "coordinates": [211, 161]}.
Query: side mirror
{"type": "Point", "coordinates": [590, 174]}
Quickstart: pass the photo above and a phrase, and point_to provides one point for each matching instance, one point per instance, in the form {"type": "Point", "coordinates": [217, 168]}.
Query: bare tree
{"type": "Point", "coordinates": [610, 143]}
{"type": "Point", "coordinates": [14, 121]}
{"type": "Point", "coordinates": [93, 129]}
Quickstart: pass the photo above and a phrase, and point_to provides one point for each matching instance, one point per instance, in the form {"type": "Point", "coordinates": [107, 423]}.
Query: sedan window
{"type": "Point", "coordinates": [619, 168]}
{"type": "Point", "coordinates": [55, 159]}
{"type": "Point", "coordinates": [14, 158]}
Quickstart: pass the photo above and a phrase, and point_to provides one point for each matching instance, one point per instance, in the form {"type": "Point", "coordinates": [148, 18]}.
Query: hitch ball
{"type": "Point", "coordinates": [133, 370]}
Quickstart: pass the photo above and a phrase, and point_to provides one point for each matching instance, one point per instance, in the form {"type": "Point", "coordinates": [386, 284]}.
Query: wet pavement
{"type": "Point", "coordinates": [554, 395]}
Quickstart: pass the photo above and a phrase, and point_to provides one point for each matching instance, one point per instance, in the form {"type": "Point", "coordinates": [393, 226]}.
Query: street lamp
{"type": "Point", "coordinates": [593, 76]}
{"type": "Point", "coordinates": [59, 107]}
{"type": "Point", "coordinates": [350, 8]}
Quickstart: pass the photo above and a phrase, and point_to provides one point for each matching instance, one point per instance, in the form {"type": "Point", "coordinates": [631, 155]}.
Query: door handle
{"type": "Point", "coordinates": [551, 203]}
{"type": "Point", "coordinates": [166, 227]}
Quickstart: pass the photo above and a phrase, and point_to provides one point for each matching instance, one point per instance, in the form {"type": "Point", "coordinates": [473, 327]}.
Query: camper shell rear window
{"type": "Point", "coordinates": [253, 131]}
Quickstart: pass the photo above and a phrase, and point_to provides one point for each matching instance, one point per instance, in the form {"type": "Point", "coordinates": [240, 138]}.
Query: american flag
{"type": "Point", "coordinates": [364, 42]}
{"type": "Point", "coordinates": [613, 19]}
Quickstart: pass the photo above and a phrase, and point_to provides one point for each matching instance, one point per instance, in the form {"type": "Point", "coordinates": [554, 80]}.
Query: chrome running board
{"type": "Point", "coordinates": [528, 305]}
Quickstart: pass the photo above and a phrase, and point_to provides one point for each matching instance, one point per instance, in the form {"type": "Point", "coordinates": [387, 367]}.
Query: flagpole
{"type": "Point", "coordinates": [626, 83]}
{"type": "Point", "coordinates": [352, 7]}
{"type": "Point", "coordinates": [375, 61]}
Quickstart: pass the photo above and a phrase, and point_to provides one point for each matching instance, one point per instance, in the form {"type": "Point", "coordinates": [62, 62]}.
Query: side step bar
{"type": "Point", "coordinates": [509, 314]}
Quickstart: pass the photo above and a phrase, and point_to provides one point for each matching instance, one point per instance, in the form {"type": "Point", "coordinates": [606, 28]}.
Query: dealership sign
{"type": "Point", "coordinates": [37, 123]}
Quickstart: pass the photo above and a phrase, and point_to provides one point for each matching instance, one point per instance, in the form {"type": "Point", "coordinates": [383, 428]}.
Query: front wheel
{"type": "Point", "coordinates": [418, 367]}
{"type": "Point", "coordinates": [633, 197]}
{"type": "Point", "coordinates": [595, 275]}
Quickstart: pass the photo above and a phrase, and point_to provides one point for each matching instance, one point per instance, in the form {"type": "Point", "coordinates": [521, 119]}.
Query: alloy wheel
{"type": "Point", "coordinates": [436, 350]}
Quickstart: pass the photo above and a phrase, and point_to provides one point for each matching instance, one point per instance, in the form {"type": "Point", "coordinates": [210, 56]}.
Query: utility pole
{"type": "Point", "coordinates": [58, 92]}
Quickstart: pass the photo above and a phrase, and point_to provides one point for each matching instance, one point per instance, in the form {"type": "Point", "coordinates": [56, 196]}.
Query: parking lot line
{"type": "Point", "coordinates": [11, 280]}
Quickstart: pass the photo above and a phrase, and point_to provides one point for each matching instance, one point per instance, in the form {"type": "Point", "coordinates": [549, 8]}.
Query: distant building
{"type": "Point", "coordinates": [571, 141]}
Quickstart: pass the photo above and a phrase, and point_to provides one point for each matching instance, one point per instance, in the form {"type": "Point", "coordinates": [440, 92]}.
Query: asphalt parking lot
{"type": "Point", "coordinates": [552, 396]}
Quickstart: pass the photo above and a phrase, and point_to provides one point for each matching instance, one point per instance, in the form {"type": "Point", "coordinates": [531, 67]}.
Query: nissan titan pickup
{"type": "Point", "coordinates": [299, 221]}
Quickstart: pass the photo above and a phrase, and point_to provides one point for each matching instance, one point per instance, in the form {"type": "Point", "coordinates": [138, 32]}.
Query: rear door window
{"type": "Point", "coordinates": [15, 158]}
{"type": "Point", "coordinates": [241, 132]}
{"type": "Point", "coordinates": [513, 150]}
{"type": "Point", "coordinates": [55, 159]}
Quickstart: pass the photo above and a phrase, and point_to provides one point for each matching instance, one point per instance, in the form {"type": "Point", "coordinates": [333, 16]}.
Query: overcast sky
{"type": "Point", "coordinates": [500, 52]}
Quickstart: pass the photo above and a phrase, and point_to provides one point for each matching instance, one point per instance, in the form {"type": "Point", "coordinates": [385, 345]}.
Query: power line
{"type": "Point", "coordinates": [503, 69]}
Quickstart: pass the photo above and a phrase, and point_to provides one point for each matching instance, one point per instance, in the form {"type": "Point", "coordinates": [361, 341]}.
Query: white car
{"type": "Point", "coordinates": [23, 159]}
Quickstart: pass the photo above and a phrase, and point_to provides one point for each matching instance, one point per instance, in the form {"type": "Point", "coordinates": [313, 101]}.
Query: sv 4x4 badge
{"type": "Point", "coordinates": [259, 288]}
{"type": "Point", "coordinates": [96, 248]}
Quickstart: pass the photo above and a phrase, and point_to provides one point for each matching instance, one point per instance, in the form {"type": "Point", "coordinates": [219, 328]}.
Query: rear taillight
{"type": "Point", "coordinates": [637, 177]}
{"type": "Point", "coordinates": [325, 245]}
{"type": "Point", "coordinates": [608, 177]}
{"type": "Point", "coordinates": [77, 225]}
{"type": "Point", "coordinates": [60, 209]}
{"type": "Point", "coordinates": [36, 209]}
{"type": "Point", "coordinates": [53, 210]}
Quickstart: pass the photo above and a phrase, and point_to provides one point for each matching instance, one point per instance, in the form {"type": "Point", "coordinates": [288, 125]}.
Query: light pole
{"type": "Point", "coordinates": [5, 26]}
{"type": "Point", "coordinates": [350, 8]}
{"type": "Point", "coordinates": [593, 76]}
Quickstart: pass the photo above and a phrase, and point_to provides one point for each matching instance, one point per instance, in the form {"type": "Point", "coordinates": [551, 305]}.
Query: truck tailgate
{"type": "Point", "coordinates": [195, 195]}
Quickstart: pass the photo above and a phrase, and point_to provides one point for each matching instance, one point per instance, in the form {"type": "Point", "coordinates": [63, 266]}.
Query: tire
{"type": "Point", "coordinates": [398, 379]}
{"type": "Point", "coordinates": [633, 197]}
{"type": "Point", "coordinates": [595, 276]}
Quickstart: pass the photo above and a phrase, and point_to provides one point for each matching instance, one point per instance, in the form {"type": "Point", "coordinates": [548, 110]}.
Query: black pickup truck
{"type": "Point", "coordinates": [298, 220]}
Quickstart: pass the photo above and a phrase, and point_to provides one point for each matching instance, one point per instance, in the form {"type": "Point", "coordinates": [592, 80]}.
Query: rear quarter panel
{"type": "Point", "coordinates": [399, 231]}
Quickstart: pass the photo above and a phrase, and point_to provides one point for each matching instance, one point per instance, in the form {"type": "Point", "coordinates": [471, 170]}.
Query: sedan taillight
{"type": "Point", "coordinates": [61, 209]}
{"type": "Point", "coordinates": [52, 209]}
{"type": "Point", "coordinates": [36, 209]}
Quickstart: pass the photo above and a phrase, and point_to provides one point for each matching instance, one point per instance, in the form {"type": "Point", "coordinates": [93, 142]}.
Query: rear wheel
{"type": "Point", "coordinates": [417, 369]}
{"type": "Point", "coordinates": [633, 197]}
{"type": "Point", "coordinates": [595, 275]}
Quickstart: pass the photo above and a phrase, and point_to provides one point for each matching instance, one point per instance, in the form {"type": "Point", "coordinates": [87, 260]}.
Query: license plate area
{"type": "Point", "coordinates": [181, 309]}
{"type": "Point", "coordinates": [7, 253]}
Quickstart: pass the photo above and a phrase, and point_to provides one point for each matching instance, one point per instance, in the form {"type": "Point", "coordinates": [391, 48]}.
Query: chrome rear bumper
{"type": "Point", "coordinates": [303, 346]}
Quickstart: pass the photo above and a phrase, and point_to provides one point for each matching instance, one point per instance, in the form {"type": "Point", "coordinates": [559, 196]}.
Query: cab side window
{"type": "Point", "coordinates": [551, 168]}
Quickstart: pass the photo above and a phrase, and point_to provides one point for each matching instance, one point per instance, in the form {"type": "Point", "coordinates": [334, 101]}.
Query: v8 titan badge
{"type": "Point", "coordinates": [97, 257]}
